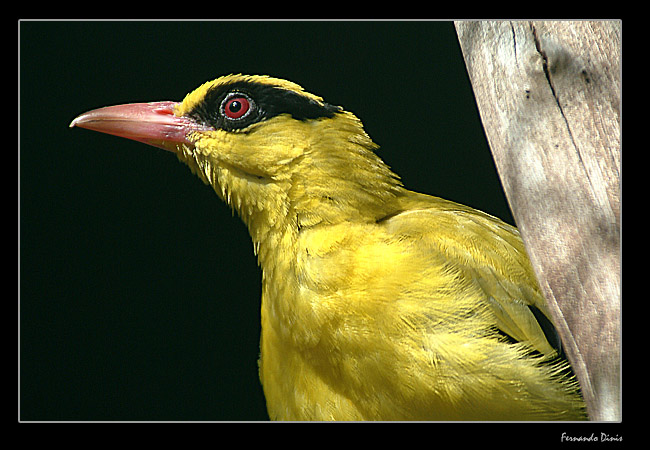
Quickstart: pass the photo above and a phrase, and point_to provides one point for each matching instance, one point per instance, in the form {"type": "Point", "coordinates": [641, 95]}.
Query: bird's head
{"type": "Point", "coordinates": [263, 143]}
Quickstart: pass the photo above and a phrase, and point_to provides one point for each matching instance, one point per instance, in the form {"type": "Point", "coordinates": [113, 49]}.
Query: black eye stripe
{"type": "Point", "coordinates": [266, 101]}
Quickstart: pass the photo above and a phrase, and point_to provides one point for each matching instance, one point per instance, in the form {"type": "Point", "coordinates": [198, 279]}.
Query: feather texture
{"type": "Point", "coordinates": [378, 303]}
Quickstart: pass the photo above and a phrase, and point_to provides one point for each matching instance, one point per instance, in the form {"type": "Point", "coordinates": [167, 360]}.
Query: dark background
{"type": "Point", "coordinates": [139, 292]}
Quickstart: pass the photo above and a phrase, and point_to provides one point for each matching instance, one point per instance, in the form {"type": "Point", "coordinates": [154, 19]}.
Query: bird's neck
{"type": "Point", "coordinates": [338, 178]}
{"type": "Point", "coordinates": [276, 212]}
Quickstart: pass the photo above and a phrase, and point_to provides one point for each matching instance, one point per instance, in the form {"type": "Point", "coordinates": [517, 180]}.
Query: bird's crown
{"type": "Point", "coordinates": [233, 102]}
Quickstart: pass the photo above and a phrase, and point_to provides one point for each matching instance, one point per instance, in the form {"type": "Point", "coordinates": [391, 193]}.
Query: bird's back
{"type": "Point", "coordinates": [409, 317]}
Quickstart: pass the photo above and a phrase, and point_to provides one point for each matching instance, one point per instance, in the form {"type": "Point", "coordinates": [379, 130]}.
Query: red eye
{"type": "Point", "coordinates": [236, 107]}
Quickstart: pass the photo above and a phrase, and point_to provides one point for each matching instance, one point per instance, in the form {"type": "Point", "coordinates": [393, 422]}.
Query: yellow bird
{"type": "Point", "coordinates": [378, 303]}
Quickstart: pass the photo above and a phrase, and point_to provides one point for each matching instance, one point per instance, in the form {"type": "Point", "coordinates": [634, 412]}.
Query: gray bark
{"type": "Point", "coordinates": [549, 97]}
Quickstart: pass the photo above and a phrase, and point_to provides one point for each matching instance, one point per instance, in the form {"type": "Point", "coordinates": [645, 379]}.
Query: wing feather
{"type": "Point", "coordinates": [490, 253]}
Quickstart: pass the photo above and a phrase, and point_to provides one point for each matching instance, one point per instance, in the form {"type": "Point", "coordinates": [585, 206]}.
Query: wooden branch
{"type": "Point", "coordinates": [549, 96]}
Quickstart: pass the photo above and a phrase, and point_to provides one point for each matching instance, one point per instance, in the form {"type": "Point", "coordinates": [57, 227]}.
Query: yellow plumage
{"type": "Point", "coordinates": [378, 303]}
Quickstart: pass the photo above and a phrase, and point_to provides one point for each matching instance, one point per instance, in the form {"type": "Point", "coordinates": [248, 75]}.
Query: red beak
{"type": "Point", "coordinates": [152, 123]}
